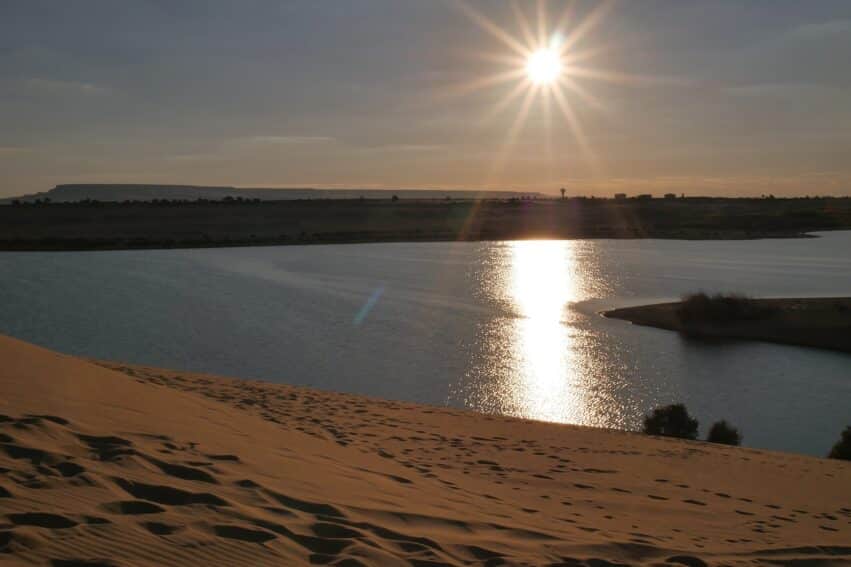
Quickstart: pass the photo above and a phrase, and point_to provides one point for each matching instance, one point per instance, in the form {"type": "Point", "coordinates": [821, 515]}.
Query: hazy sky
{"type": "Point", "coordinates": [742, 97]}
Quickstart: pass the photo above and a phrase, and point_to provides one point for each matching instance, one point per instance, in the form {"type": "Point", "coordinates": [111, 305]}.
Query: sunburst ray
{"type": "Point", "coordinates": [542, 23]}
{"type": "Point", "coordinates": [523, 23]}
{"type": "Point", "coordinates": [492, 28]}
{"type": "Point", "coordinates": [586, 25]}
{"type": "Point", "coordinates": [624, 78]}
{"type": "Point", "coordinates": [549, 56]}
{"type": "Point", "coordinates": [480, 83]}
{"type": "Point", "coordinates": [576, 129]}
{"type": "Point", "coordinates": [514, 131]}
{"type": "Point", "coordinates": [512, 95]}
{"type": "Point", "coordinates": [582, 93]}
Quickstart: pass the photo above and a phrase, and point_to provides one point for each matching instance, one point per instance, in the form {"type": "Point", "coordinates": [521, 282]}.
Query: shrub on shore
{"type": "Point", "coordinates": [724, 433]}
{"type": "Point", "coordinates": [842, 448]}
{"type": "Point", "coordinates": [671, 421]}
{"type": "Point", "coordinates": [719, 308]}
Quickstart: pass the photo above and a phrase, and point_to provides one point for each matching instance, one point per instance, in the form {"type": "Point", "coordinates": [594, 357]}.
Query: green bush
{"type": "Point", "coordinates": [842, 449]}
{"type": "Point", "coordinates": [671, 421]}
{"type": "Point", "coordinates": [724, 433]}
{"type": "Point", "coordinates": [719, 308]}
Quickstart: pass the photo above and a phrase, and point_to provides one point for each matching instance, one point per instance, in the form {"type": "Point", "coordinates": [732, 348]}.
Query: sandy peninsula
{"type": "Point", "coordinates": [111, 464]}
{"type": "Point", "coordinates": [821, 322]}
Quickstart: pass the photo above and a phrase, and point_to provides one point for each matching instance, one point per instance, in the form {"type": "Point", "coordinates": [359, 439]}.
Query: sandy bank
{"type": "Point", "coordinates": [816, 322]}
{"type": "Point", "coordinates": [126, 465]}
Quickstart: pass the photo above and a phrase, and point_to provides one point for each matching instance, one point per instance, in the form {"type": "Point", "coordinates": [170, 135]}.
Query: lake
{"type": "Point", "coordinates": [503, 327]}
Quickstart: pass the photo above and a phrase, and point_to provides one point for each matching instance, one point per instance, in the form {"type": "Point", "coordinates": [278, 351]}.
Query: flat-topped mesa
{"type": "Point", "coordinates": [137, 192]}
{"type": "Point", "coordinates": [120, 192]}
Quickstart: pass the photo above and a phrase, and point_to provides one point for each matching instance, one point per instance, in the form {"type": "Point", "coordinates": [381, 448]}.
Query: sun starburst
{"type": "Point", "coordinates": [543, 57]}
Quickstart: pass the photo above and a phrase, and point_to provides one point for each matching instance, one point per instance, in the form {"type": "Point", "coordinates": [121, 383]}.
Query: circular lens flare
{"type": "Point", "coordinates": [543, 66]}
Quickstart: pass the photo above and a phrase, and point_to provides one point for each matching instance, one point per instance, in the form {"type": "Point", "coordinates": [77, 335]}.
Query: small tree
{"type": "Point", "coordinates": [724, 433]}
{"type": "Point", "coordinates": [671, 421]}
{"type": "Point", "coordinates": [700, 308]}
{"type": "Point", "coordinates": [563, 191]}
{"type": "Point", "coordinates": [842, 449]}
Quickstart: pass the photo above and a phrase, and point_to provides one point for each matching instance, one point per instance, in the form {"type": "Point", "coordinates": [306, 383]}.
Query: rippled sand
{"type": "Point", "coordinates": [111, 464]}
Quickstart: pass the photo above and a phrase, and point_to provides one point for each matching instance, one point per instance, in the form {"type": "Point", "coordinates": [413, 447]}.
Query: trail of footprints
{"type": "Point", "coordinates": [27, 468]}
{"type": "Point", "coordinates": [348, 420]}
{"type": "Point", "coordinates": [331, 535]}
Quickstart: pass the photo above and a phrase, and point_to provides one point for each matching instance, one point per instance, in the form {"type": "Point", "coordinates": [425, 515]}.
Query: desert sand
{"type": "Point", "coordinates": [111, 464]}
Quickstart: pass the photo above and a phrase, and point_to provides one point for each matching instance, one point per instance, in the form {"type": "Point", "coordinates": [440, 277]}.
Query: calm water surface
{"type": "Point", "coordinates": [505, 327]}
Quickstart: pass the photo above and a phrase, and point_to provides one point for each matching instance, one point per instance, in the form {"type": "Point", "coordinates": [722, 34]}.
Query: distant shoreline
{"type": "Point", "coordinates": [208, 224]}
{"type": "Point", "coordinates": [822, 322]}
{"type": "Point", "coordinates": [105, 245]}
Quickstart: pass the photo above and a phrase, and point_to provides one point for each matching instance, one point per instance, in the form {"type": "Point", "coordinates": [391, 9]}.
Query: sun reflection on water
{"type": "Point", "coordinates": [542, 283]}
{"type": "Point", "coordinates": [536, 357]}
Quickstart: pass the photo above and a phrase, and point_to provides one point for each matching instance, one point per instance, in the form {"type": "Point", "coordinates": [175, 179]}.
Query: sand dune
{"type": "Point", "coordinates": [109, 464]}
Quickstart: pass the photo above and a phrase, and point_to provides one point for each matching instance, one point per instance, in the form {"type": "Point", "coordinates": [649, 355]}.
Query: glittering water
{"type": "Point", "coordinates": [506, 327]}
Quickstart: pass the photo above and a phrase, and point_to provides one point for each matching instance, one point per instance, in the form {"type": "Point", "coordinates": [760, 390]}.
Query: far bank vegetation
{"type": "Point", "coordinates": [721, 308]}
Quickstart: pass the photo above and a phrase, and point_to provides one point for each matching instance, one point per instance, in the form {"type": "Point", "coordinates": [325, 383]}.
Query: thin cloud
{"type": "Point", "coordinates": [407, 148]}
{"type": "Point", "coordinates": [61, 87]}
{"type": "Point", "coordinates": [812, 182]}
{"type": "Point", "coordinates": [10, 150]}
{"type": "Point", "coordinates": [284, 140]}
{"type": "Point", "coordinates": [822, 30]}
{"type": "Point", "coordinates": [780, 90]}
{"type": "Point", "coordinates": [237, 146]}
{"type": "Point", "coordinates": [192, 157]}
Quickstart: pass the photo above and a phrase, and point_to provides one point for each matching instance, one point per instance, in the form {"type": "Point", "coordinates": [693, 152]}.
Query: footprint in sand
{"type": "Point", "coordinates": [243, 533]}
{"type": "Point", "coordinates": [81, 563]}
{"type": "Point", "coordinates": [132, 507]}
{"type": "Point", "coordinates": [168, 495]}
{"type": "Point", "coordinates": [160, 529]}
{"type": "Point", "coordinates": [42, 520]}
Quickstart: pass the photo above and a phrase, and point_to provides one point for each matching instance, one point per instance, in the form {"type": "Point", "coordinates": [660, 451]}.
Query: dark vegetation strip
{"type": "Point", "coordinates": [188, 224]}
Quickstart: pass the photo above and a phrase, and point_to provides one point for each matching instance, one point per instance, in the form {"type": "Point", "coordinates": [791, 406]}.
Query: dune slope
{"type": "Point", "coordinates": [110, 464]}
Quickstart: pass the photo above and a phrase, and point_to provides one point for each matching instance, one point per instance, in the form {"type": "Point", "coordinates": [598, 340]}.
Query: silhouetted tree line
{"type": "Point", "coordinates": [700, 307]}
{"type": "Point", "coordinates": [674, 421]}
{"type": "Point", "coordinates": [842, 448]}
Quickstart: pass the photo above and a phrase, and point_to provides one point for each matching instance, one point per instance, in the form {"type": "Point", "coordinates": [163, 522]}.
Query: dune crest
{"type": "Point", "coordinates": [111, 464]}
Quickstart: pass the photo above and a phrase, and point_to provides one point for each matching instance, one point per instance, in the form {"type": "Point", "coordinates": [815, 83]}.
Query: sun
{"type": "Point", "coordinates": [549, 60]}
{"type": "Point", "coordinates": [543, 66]}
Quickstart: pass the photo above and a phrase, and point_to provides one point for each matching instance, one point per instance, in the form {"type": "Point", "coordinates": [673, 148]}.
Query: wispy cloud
{"type": "Point", "coordinates": [821, 30]}
{"type": "Point", "coordinates": [12, 150]}
{"type": "Point", "coordinates": [283, 140]}
{"type": "Point", "coordinates": [238, 146]}
{"type": "Point", "coordinates": [811, 182]}
{"type": "Point", "coordinates": [406, 148]}
{"type": "Point", "coordinates": [780, 90]}
{"type": "Point", "coordinates": [62, 87]}
{"type": "Point", "coordinates": [192, 157]}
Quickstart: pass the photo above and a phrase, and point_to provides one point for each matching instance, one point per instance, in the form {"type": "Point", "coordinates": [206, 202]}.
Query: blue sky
{"type": "Point", "coordinates": [717, 97]}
